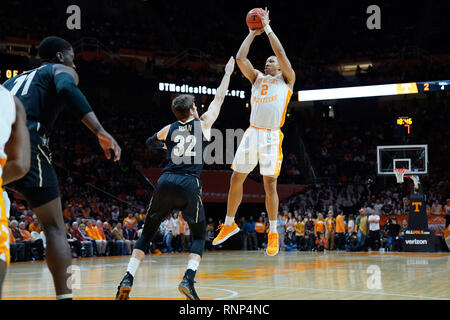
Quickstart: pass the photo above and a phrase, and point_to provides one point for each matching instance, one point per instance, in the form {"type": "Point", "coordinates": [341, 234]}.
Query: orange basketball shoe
{"type": "Point", "coordinates": [272, 244]}
{"type": "Point", "coordinates": [225, 233]}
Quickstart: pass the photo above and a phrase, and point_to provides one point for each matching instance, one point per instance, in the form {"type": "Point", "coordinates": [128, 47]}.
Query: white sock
{"type": "Point", "coordinates": [193, 264]}
{"type": "Point", "coordinates": [133, 265]}
{"type": "Point", "coordinates": [273, 226]}
{"type": "Point", "coordinates": [229, 220]}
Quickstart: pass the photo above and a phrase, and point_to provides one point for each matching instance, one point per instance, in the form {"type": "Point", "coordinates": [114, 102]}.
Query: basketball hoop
{"type": "Point", "coordinates": [399, 174]}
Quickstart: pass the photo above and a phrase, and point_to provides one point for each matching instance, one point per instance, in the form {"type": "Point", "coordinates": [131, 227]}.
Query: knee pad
{"type": "Point", "coordinates": [197, 247]}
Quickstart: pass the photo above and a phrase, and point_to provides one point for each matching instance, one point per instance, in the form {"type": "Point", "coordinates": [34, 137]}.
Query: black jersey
{"type": "Point", "coordinates": [37, 91]}
{"type": "Point", "coordinates": [185, 145]}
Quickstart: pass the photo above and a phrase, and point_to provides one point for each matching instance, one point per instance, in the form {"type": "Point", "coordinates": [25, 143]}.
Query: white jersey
{"type": "Point", "coordinates": [8, 112]}
{"type": "Point", "coordinates": [7, 118]}
{"type": "Point", "coordinates": [270, 97]}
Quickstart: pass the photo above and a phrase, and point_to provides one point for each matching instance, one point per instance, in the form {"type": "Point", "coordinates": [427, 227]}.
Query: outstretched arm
{"type": "Point", "coordinates": [66, 81]}
{"type": "Point", "coordinates": [17, 148]}
{"type": "Point", "coordinates": [156, 140]}
{"type": "Point", "coordinates": [105, 140]}
{"type": "Point", "coordinates": [241, 57]}
{"type": "Point", "coordinates": [210, 116]}
{"type": "Point", "coordinates": [285, 64]}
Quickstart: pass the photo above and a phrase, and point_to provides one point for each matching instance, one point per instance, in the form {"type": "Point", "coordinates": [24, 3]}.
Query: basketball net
{"type": "Point", "coordinates": [400, 174]}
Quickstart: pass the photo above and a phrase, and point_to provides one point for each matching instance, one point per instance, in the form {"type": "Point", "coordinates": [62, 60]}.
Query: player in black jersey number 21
{"type": "Point", "coordinates": [179, 187]}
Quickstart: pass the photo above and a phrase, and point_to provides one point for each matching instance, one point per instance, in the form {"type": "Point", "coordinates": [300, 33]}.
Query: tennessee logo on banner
{"type": "Point", "coordinates": [417, 205]}
{"type": "Point", "coordinates": [405, 88]}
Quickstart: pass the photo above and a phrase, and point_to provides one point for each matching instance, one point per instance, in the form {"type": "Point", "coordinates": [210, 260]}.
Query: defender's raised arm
{"type": "Point", "coordinates": [210, 116]}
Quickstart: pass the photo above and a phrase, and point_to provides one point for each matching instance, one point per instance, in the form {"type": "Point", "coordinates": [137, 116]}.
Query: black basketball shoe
{"type": "Point", "coordinates": [186, 287]}
{"type": "Point", "coordinates": [124, 288]}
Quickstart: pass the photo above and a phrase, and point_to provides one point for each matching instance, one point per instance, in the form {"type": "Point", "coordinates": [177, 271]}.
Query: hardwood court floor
{"type": "Point", "coordinates": [251, 275]}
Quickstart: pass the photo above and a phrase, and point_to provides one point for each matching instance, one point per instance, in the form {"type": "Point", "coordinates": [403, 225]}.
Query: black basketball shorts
{"type": "Point", "coordinates": [40, 184]}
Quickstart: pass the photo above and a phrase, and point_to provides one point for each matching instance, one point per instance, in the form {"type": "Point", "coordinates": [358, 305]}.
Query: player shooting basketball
{"type": "Point", "coordinates": [261, 143]}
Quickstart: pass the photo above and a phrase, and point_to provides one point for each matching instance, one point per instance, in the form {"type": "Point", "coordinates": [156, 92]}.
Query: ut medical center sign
{"type": "Point", "coordinates": [418, 237]}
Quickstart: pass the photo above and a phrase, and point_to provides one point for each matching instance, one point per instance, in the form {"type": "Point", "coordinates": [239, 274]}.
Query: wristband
{"type": "Point", "coordinates": [154, 143]}
{"type": "Point", "coordinates": [268, 29]}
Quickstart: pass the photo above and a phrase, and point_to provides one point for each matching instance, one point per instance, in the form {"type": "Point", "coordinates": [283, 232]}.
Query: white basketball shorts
{"type": "Point", "coordinates": [261, 146]}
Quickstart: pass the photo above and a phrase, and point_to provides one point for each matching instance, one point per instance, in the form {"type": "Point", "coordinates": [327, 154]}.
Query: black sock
{"type": "Point", "coordinates": [190, 275]}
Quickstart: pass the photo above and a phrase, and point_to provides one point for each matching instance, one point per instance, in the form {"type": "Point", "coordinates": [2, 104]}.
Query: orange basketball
{"type": "Point", "coordinates": [253, 18]}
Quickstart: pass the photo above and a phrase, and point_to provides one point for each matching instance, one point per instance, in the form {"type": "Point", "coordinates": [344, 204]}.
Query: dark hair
{"type": "Point", "coordinates": [181, 106]}
{"type": "Point", "coordinates": [50, 46]}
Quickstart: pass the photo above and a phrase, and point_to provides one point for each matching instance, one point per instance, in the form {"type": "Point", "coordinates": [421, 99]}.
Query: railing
{"type": "Point", "coordinates": [186, 55]}
{"type": "Point", "coordinates": [92, 44]}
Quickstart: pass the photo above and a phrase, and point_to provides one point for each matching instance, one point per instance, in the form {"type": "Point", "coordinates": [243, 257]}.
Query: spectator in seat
{"type": "Point", "coordinates": [34, 226]}
{"type": "Point", "coordinates": [116, 247]}
{"type": "Point", "coordinates": [86, 245]}
{"type": "Point", "coordinates": [352, 242]}
{"type": "Point", "coordinates": [308, 241]}
{"type": "Point", "coordinates": [109, 243]}
{"type": "Point", "coordinates": [129, 235]}
{"type": "Point", "coordinates": [401, 233]}
{"type": "Point", "coordinates": [350, 225]}
{"type": "Point", "coordinates": [436, 208]}
{"type": "Point", "coordinates": [93, 233]}
{"type": "Point", "coordinates": [290, 240]}
{"type": "Point", "coordinates": [130, 221]}
{"type": "Point", "coordinates": [31, 243]}
{"type": "Point", "coordinates": [36, 236]}
{"type": "Point", "coordinates": [115, 213]}
{"type": "Point", "coordinates": [17, 249]}
{"type": "Point", "coordinates": [393, 231]}
{"type": "Point", "coordinates": [321, 242]}
{"type": "Point", "coordinates": [75, 244]}
{"type": "Point", "coordinates": [118, 235]}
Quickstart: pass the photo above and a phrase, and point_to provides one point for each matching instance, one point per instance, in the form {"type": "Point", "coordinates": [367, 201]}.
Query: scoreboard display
{"type": "Point", "coordinates": [403, 126]}
{"type": "Point", "coordinates": [433, 86]}
{"type": "Point", "coordinates": [8, 73]}
{"type": "Point", "coordinates": [392, 89]}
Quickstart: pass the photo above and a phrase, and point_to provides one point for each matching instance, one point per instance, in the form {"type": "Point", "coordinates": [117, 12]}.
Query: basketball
{"type": "Point", "coordinates": [253, 19]}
